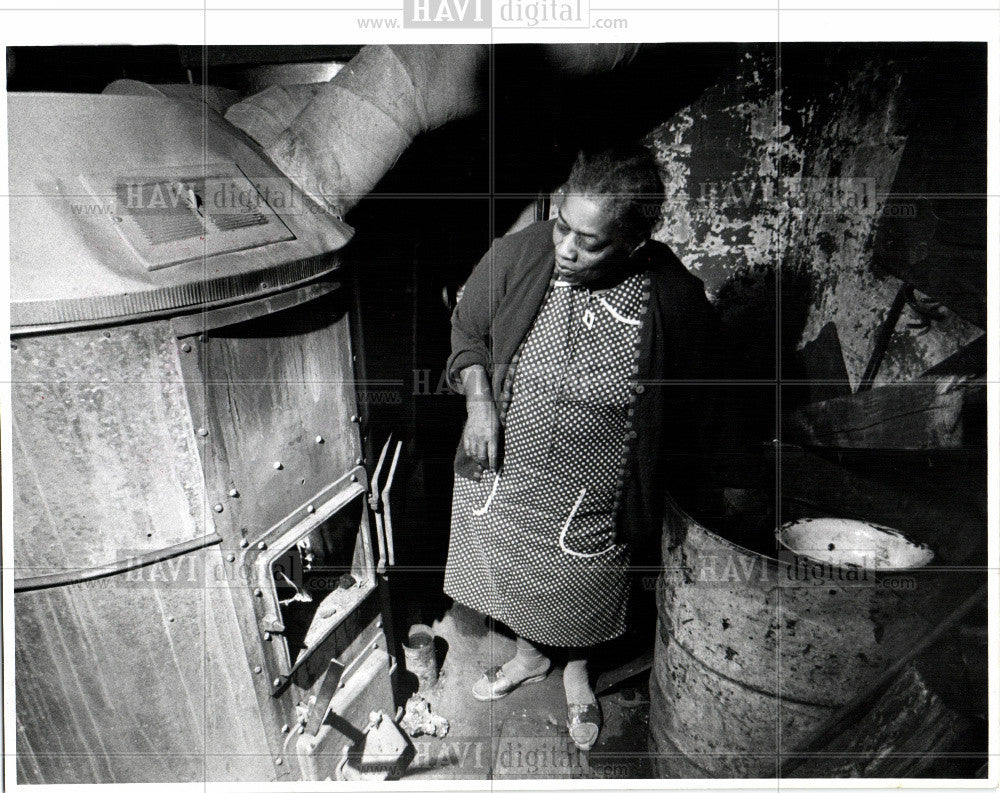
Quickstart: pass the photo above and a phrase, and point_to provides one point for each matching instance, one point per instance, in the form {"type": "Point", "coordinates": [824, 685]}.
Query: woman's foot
{"type": "Point", "coordinates": [583, 714]}
{"type": "Point", "coordinates": [584, 724]}
{"type": "Point", "coordinates": [501, 680]}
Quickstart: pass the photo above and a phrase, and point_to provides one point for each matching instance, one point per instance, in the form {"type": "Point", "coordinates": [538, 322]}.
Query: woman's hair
{"type": "Point", "coordinates": [626, 182]}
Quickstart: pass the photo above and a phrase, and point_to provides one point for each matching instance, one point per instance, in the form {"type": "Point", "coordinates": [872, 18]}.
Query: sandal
{"type": "Point", "coordinates": [584, 724]}
{"type": "Point", "coordinates": [494, 684]}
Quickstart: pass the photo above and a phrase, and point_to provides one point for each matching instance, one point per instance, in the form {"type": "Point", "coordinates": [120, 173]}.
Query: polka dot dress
{"type": "Point", "coordinates": [533, 546]}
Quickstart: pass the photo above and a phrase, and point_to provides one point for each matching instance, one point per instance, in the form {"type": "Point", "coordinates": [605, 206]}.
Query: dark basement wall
{"type": "Point", "coordinates": [739, 164]}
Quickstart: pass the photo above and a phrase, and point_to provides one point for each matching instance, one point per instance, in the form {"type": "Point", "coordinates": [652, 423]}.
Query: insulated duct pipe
{"type": "Point", "coordinates": [336, 140]}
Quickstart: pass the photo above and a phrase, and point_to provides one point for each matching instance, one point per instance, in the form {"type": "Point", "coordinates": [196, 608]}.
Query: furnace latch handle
{"type": "Point", "coordinates": [381, 507]}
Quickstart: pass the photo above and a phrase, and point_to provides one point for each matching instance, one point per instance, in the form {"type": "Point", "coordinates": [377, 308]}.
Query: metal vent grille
{"type": "Point", "coordinates": [177, 211]}
{"type": "Point", "coordinates": [186, 213]}
{"type": "Point", "coordinates": [230, 222]}
{"type": "Point", "coordinates": [172, 225]}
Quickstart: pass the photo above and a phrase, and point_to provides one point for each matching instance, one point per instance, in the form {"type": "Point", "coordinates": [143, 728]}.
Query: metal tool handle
{"type": "Point", "coordinates": [375, 502]}
{"type": "Point", "coordinates": [387, 506]}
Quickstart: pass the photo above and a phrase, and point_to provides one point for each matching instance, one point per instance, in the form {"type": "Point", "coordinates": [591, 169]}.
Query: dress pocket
{"type": "Point", "coordinates": [473, 499]}
{"type": "Point", "coordinates": [579, 517]}
{"type": "Point", "coordinates": [483, 510]}
{"type": "Point", "coordinates": [588, 530]}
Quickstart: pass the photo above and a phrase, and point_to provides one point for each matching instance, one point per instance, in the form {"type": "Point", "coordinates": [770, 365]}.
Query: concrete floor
{"type": "Point", "coordinates": [523, 735]}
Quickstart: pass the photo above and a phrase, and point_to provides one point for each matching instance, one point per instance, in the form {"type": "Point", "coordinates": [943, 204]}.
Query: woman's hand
{"type": "Point", "coordinates": [481, 437]}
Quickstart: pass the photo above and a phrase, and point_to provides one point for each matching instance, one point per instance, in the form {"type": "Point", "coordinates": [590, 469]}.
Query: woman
{"type": "Point", "coordinates": [578, 343]}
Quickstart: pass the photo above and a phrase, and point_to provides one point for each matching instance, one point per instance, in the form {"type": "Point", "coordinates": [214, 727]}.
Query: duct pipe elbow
{"type": "Point", "coordinates": [336, 140]}
{"type": "Point", "coordinates": [356, 126]}
{"type": "Point", "coordinates": [581, 59]}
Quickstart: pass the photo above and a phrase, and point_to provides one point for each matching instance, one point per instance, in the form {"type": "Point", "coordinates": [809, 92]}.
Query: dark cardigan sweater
{"type": "Point", "coordinates": [679, 350]}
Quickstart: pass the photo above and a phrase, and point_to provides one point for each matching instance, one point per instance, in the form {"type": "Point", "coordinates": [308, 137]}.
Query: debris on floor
{"type": "Point", "coordinates": [418, 719]}
{"type": "Point", "coordinates": [533, 745]}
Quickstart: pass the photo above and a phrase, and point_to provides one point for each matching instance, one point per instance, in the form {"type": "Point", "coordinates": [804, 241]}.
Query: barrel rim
{"type": "Point", "coordinates": [785, 565]}
{"type": "Point", "coordinates": [690, 521]}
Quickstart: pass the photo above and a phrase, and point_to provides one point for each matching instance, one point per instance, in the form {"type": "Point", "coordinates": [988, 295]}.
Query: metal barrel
{"type": "Point", "coordinates": [754, 653]}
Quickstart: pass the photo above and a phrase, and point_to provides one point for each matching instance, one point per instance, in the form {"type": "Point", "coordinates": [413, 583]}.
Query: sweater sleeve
{"type": "Point", "coordinates": [472, 319]}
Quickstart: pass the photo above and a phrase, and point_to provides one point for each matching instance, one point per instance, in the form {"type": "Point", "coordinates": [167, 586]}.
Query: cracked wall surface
{"type": "Point", "coordinates": [776, 179]}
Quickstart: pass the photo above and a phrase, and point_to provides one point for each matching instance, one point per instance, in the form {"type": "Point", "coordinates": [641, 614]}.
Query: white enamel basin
{"type": "Point", "coordinates": [841, 542]}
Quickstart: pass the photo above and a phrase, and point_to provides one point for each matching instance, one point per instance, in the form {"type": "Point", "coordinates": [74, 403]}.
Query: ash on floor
{"type": "Point", "coordinates": [523, 735]}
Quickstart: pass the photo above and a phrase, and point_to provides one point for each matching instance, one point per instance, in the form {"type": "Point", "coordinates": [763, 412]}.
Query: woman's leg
{"type": "Point", "coordinates": [583, 712]}
{"type": "Point", "coordinates": [527, 662]}
{"type": "Point", "coordinates": [576, 680]}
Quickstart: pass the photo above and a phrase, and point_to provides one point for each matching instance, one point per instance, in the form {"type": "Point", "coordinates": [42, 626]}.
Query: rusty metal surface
{"type": "Point", "coordinates": [668, 761]}
{"type": "Point", "coordinates": [753, 653]}
{"type": "Point", "coordinates": [809, 632]}
{"type": "Point", "coordinates": [105, 462]}
{"type": "Point", "coordinates": [275, 399]}
{"type": "Point", "coordinates": [722, 726]}
{"type": "Point", "coordinates": [142, 678]}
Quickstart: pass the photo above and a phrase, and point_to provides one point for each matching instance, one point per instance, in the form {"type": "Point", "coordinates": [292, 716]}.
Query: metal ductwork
{"type": "Point", "coordinates": [336, 140]}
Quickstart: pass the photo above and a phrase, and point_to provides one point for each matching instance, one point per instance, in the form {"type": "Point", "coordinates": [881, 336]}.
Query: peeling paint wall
{"type": "Point", "coordinates": [776, 180]}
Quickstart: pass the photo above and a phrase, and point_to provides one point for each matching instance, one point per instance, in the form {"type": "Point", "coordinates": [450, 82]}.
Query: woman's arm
{"type": "Point", "coordinates": [472, 319]}
{"type": "Point", "coordinates": [482, 428]}
{"type": "Point", "coordinates": [470, 362]}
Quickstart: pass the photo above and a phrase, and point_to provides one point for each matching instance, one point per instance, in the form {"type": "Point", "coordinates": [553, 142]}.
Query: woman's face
{"type": "Point", "coordinates": [586, 245]}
